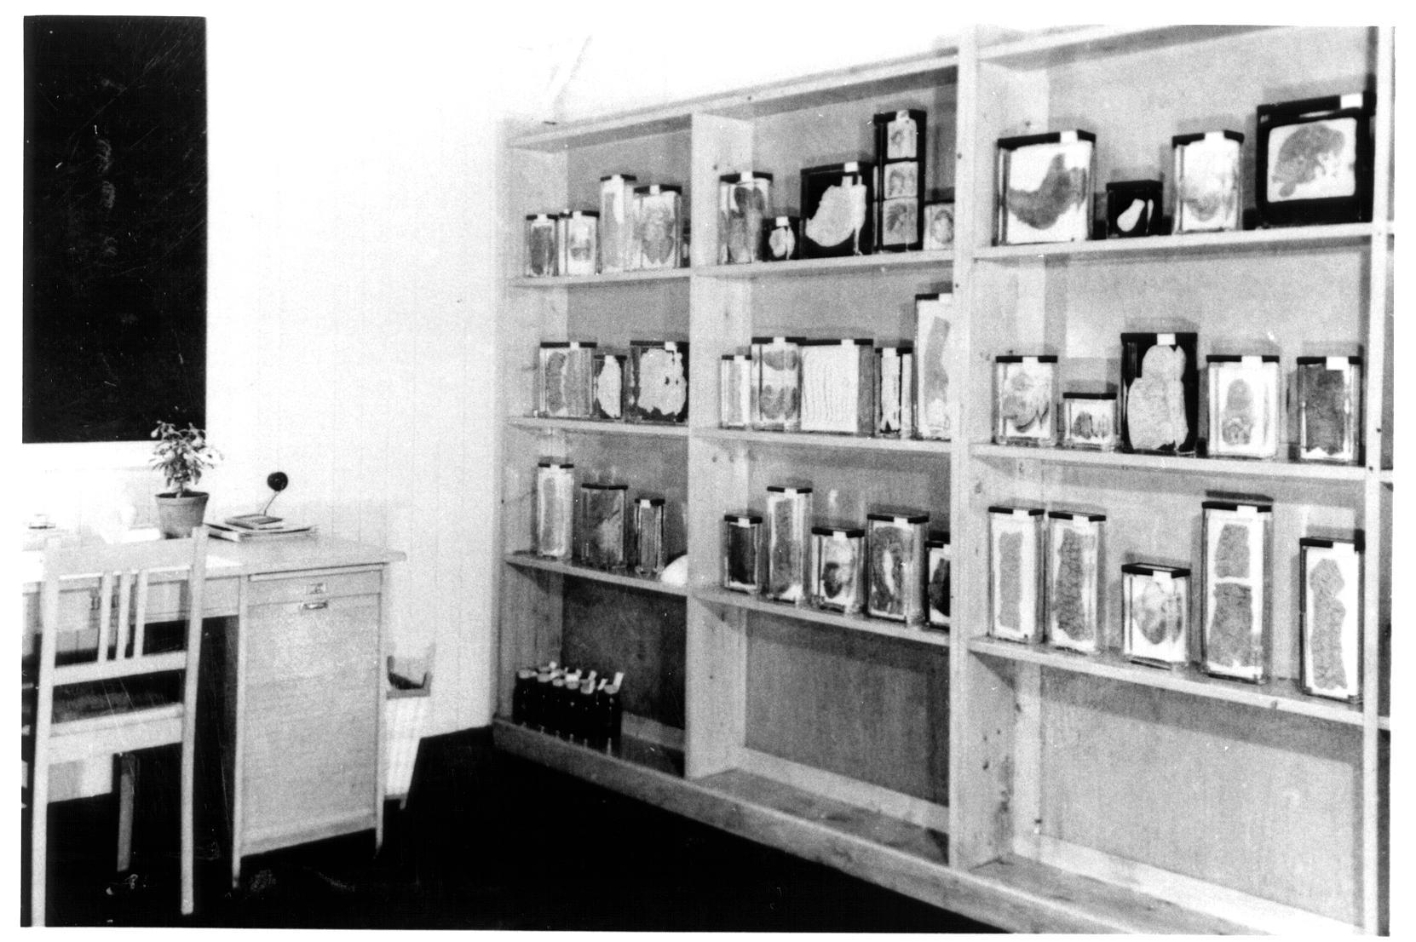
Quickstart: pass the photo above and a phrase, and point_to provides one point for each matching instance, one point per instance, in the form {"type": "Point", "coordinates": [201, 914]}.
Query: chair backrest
{"type": "Point", "coordinates": [121, 627]}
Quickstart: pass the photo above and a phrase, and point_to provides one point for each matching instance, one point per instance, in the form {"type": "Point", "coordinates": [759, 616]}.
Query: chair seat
{"type": "Point", "coordinates": [132, 713]}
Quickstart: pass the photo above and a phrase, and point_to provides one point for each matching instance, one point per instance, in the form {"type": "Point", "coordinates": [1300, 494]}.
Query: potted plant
{"type": "Point", "coordinates": [181, 455]}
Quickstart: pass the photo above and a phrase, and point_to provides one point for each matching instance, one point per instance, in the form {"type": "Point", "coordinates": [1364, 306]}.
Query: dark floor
{"type": "Point", "coordinates": [487, 841]}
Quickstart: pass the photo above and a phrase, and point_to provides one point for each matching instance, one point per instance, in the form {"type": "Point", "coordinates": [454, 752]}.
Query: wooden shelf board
{"type": "Point", "coordinates": [1060, 47]}
{"type": "Point", "coordinates": [1013, 894]}
{"type": "Point", "coordinates": [824, 88]}
{"type": "Point", "coordinates": [1209, 467]}
{"type": "Point", "coordinates": [1118, 908]}
{"type": "Point", "coordinates": [634, 753]}
{"type": "Point", "coordinates": [526, 560]}
{"type": "Point", "coordinates": [594, 281]}
{"type": "Point", "coordinates": [1281, 695]}
{"type": "Point", "coordinates": [875, 626]}
{"type": "Point", "coordinates": [597, 427]}
{"type": "Point", "coordinates": [1253, 240]}
{"type": "Point", "coordinates": [829, 442]}
{"type": "Point", "coordinates": [882, 263]}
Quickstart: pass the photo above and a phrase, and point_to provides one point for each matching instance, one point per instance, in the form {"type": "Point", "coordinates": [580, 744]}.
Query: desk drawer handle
{"type": "Point", "coordinates": [313, 606]}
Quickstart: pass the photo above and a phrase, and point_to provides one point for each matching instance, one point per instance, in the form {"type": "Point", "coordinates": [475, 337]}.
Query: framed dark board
{"type": "Point", "coordinates": [115, 212]}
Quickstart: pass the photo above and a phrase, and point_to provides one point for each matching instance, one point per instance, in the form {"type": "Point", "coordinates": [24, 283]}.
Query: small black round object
{"type": "Point", "coordinates": [277, 481]}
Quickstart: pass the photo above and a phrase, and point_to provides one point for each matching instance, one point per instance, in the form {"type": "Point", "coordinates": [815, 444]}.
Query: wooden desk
{"type": "Point", "coordinates": [302, 710]}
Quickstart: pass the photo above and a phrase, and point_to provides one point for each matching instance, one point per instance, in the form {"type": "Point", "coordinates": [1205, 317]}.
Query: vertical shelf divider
{"type": "Point", "coordinates": [720, 319]}
{"type": "Point", "coordinates": [1373, 841]}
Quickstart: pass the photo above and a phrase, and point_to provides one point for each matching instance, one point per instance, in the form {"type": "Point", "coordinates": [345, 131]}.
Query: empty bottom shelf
{"type": "Point", "coordinates": [1012, 893]}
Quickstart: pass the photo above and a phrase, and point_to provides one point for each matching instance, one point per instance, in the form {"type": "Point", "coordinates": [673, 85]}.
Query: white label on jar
{"type": "Point", "coordinates": [839, 534]}
{"type": "Point", "coordinates": [670, 346]}
{"type": "Point", "coordinates": [1214, 135]}
{"type": "Point", "coordinates": [1030, 361]}
{"type": "Point", "coordinates": [744, 522]}
{"type": "Point", "coordinates": [1338, 363]}
{"type": "Point", "coordinates": [739, 358]}
{"type": "Point", "coordinates": [902, 116]}
{"type": "Point", "coordinates": [887, 352]}
{"type": "Point", "coordinates": [783, 222]}
{"type": "Point", "coordinates": [1022, 512]}
{"type": "Point", "coordinates": [575, 345]}
{"type": "Point", "coordinates": [1252, 360]}
{"type": "Point", "coordinates": [1353, 100]}
{"type": "Point", "coordinates": [1161, 577]}
{"type": "Point", "coordinates": [779, 341]}
{"type": "Point", "coordinates": [1068, 137]}
{"type": "Point", "coordinates": [850, 167]}
{"type": "Point", "coordinates": [1165, 340]}
{"type": "Point", "coordinates": [1247, 510]}
{"type": "Point", "coordinates": [902, 521]}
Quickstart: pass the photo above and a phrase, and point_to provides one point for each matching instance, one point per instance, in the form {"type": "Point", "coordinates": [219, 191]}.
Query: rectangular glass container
{"type": "Point", "coordinates": [788, 544]}
{"type": "Point", "coordinates": [1015, 573]}
{"type": "Point", "coordinates": [1133, 208]}
{"type": "Point", "coordinates": [1314, 160]}
{"type": "Point", "coordinates": [781, 239]}
{"type": "Point", "coordinates": [838, 386]}
{"type": "Point", "coordinates": [649, 553]}
{"type": "Point", "coordinates": [744, 205]}
{"type": "Point", "coordinates": [1089, 421]}
{"type": "Point", "coordinates": [1331, 607]}
{"type": "Point", "coordinates": [735, 390]}
{"type": "Point", "coordinates": [565, 379]}
{"type": "Point", "coordinates": [658, 381]}
{"type": "Point", "coordinates": [895, 392]}
{"type": "Point", "coordinates": [900, 153]}
{"type": "Point", "coordinates": [609, 387]}
{"type": "Point", "coordinates": [616, 223]}
{"type": "Point", "coordinates": [1160, 393]}
{"type": "Point", "coordinates": [1045, 188]}
{"type": "Point", "coordinates": [542, 247]}
{"type": "Point", "coordinates": [838, 568]}
{"type": "Point", "coordinates": [604, 519]}
{"type": "Point", "coordinates": [1209, 181]}
{"type": "Point", "coordinates": [1155, 614]}
{"type": "Point", "coordinates": [897, 560]}
{"type": "Point", "coordinates": [555, 509]}
{"type": "Point", "coordinates": [1330, 409]}
{"type": "Point", "coordinates": [1024, 407]}
{"type": "Point", "coordinates": [939, 558]}
{"type": "Point", "coordinates": [658, 227]}
{"type": "Point", "coordinates": [1074, 561]}
{"type": "Point", "coordinates": [776, 376]}
{"type": "Point", "coordinates": [837, 210]}
{"type": "Point", "coordinates": [579, 242]}
{"type": "Point", "coordinates": [938, 225]}
{"type": "Point", "coordinates": [1235, 634]}
{"type": "Point", "coordinates": [939, 366]}
{"type": "Point", "coordinates": [744, 563]}
{"type": "Point", "coordinates": [1245, 406]}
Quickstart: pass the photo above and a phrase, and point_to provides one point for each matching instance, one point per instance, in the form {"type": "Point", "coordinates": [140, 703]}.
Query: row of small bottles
{"type": "Point", "coordinates": [575, 705]}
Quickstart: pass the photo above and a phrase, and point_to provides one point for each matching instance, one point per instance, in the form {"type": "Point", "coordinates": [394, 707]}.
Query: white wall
{"type": "Point", "coordinates": [352, 298]}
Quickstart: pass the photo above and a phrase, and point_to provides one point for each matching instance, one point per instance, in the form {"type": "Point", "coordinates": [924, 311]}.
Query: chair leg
{"type": "Point", "coordinates": [127, 770]}
{"type": "Point", "coordinates": [39, 834]}
{"type": "Point", "coordinates": [188, 826]}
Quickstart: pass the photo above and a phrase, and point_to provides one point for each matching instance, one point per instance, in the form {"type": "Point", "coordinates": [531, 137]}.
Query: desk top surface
{"type": "Point", "coordinates": [224, 560]}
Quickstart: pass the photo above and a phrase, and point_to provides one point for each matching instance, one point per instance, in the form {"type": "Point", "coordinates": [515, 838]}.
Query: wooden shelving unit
{"type": "Point", "coordinates": [1028, 788]}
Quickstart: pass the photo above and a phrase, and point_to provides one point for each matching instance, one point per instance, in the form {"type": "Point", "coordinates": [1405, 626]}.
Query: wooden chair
{"type": "Point", "coordinates": [120, 724]}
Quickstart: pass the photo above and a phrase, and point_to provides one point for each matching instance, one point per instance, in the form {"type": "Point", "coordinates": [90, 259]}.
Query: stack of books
{"type": "Point", "coordinates": [250, 527]}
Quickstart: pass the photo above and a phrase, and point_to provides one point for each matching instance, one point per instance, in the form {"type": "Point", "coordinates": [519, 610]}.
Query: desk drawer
{"type": "Point", "coordinates": [312, 638]}
{"type": "Point", "coordinates": [310, 752]}
{"type": "Point", "coordinates": [305, 586]}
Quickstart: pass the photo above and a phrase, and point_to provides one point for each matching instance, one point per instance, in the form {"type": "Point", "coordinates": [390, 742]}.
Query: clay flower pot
{"type": "Point", "coordinates": [177, 516]}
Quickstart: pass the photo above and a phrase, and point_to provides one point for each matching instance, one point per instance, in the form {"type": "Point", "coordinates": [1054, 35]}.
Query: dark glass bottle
{"type": "Point", "coordinates": [520, 694]}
